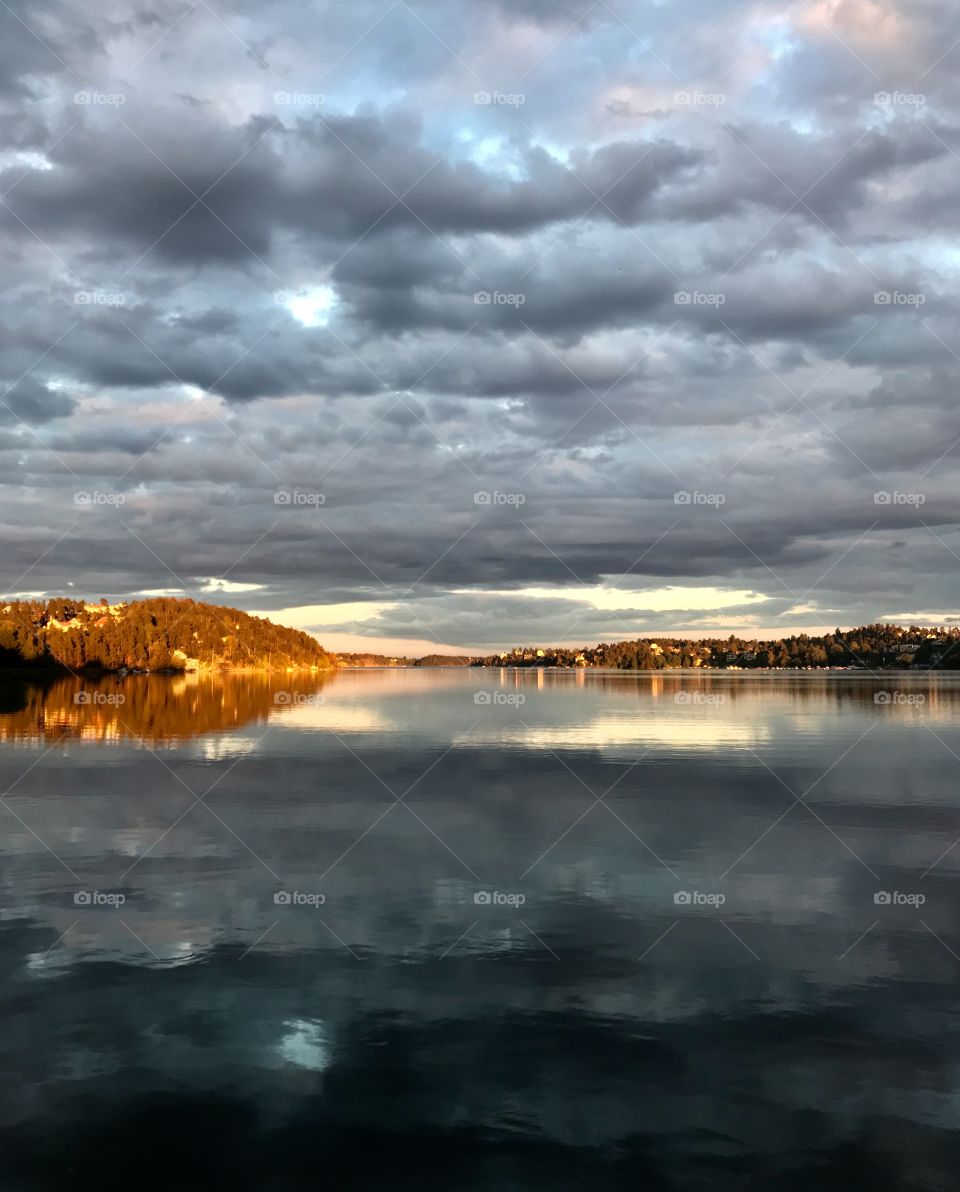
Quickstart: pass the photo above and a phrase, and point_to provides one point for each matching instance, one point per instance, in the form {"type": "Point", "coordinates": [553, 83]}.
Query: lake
{"type": "Point", "coordinates": [482, 930]}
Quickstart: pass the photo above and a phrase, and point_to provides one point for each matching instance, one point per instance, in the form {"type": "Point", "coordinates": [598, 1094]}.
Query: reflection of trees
{"type": "Point", "coordinates": [152, 708]}
{"type": "Point", "coordinates": [808, 687]}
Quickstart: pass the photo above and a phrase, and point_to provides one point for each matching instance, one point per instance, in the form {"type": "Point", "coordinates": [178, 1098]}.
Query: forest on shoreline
{"type": "Point", "coordinates": [169, 634]}
{"type": "Point", "coordinates": [156, 634]}
{"type": "Point", "coordinates": [873, 647]}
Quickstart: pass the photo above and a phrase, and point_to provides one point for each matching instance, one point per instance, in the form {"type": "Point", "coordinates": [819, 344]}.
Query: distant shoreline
{"type": "Point", "coordinates": [162, 635]}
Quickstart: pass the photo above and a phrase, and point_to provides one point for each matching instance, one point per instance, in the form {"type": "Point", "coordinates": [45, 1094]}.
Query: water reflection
{"type": "Point", "coordinates": [599, 1034]}
{"type": "Point", "coordinates": [156, 709]}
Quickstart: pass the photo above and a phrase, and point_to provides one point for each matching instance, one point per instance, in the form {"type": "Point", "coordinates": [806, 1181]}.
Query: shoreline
{"type": "Point", "coordinates": [96, 672]}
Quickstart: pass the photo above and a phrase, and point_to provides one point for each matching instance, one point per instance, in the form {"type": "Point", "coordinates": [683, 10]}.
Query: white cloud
{"type": "Point", "coordinates": [224, 585]}
{"type": "Point", "coordinates": [318, 617]}
{"type": "Point", "coordinates": [610, 599]}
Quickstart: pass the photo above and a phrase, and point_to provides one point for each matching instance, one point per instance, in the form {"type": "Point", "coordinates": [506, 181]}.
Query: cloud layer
{"type": "Point", "coordinates": [458, 318]}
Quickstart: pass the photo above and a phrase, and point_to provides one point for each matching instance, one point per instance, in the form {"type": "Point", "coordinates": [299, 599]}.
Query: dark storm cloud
{"type": "Point", "coordinates": [108, 183]}
{"type": "Point", "coordinates": [219, 194]}
{"type": "Point", "coordinates": [825, 179]}
{"type": "Point", "coordinates": [223, 194]}
{"type": "Point", "coordinates": [29, 401]}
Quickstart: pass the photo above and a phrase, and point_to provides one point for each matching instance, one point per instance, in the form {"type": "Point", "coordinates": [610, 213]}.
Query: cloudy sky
{"type": "Point", "coordinates": [469, 323]}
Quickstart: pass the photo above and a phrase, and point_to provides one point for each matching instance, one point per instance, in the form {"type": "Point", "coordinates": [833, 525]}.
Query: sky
{"type": "Point", "coordinates": [440, 326]}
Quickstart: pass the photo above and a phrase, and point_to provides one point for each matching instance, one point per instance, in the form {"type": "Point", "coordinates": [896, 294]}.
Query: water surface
{"type": "Point", "coordinates": [481, 930]}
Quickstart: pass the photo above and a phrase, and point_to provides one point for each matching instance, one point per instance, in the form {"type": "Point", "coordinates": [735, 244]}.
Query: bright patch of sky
{"type": "Point", "coordinates": [27, 158]}
{"type": "Point", "coordinates": [921, 618]}
{"type": "Point", "coordinates": [312, 306]}
{"type": "Point", "coordinates": [323, 616]}
{"type": "Point", "coordinates": [223, 585]}
{"type": "Point", "coordinates": [778, 36]}
{"type": "Point", "coordinates": [205, 587]}
{"type": "Point", "coordinates": [612, 599]}
{"type": "Point", "coordinates": [491, 152]}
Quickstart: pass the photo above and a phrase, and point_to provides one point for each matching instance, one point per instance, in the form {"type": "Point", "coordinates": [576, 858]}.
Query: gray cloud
{"type": "Point", "coordinates": [283, 239]}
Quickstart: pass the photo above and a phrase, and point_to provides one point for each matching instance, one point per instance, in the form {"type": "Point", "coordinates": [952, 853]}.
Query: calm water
{"type": "Point", "coordinates": [461, 930]}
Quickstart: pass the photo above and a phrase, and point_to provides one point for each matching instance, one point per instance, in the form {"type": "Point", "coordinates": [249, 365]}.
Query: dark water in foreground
{"type": "Point", "coordinates": [401, 929]}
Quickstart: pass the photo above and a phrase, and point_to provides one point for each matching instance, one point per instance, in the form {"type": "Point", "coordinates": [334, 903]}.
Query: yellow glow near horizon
{"type": "Point", "coordinates": [658, 600]}
{"type": "Point", "coordinates": [326, 616]}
